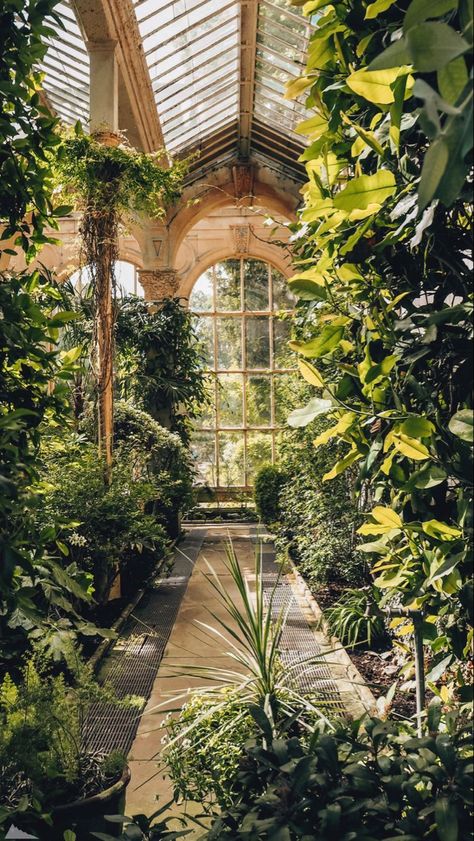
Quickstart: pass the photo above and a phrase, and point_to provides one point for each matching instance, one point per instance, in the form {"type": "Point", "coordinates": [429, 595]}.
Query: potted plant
{"type": "Point", "coordinates": [50, 778]}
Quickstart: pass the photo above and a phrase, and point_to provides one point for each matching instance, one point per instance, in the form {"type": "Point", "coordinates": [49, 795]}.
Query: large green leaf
{"type": "Point", "coordinates": [433, 45]}
{"type": "Point", "coordinates": [446, 816]}
{"type": "Point", "coordinates": [421, 10]}
{"type": "Point", "coordinates": [376, 9]}
{"type": "Point", "coordinates": [342, 465]}
{"type": "Point", "coordinates": [326, 342]}
{"type": "Point", "coordinates": [308, 288]}
{"type": "Point", "coordinates": [434, 166]}
{"type": "Point", "coordinates": [366, 190]}
{"type": "Point", "coordinates": [462, 425]}
{"type": "Point", "coordinates": [302, 417]}
{"type": "Point", "coordinates": [396, 55]}
{"type": "Point", "coordinates": [452, 79]}
{"type": "Point", "coordinates": [375, 85]}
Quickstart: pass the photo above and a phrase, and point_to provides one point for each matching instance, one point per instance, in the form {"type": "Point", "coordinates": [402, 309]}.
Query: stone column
{"type": "Point", "coordinates": [103, 85]}
{"type": "Point", "coordinates": [159, 283]}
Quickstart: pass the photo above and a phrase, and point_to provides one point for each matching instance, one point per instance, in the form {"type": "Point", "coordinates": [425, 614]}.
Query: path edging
{"type": "Point", "coordinates": [338, 652]}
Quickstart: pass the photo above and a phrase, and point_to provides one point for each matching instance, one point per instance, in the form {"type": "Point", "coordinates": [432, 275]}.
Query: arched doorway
{"type": "Point", "coordinates": [242, 307]}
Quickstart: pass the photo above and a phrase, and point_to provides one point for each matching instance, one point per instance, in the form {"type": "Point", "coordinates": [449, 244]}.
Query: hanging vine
{"type": "Point", "coordinates": [111, 183]}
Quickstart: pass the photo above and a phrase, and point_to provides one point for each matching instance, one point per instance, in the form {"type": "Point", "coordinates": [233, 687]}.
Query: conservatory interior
{"type": "Point", "coordinates": [236, 420]}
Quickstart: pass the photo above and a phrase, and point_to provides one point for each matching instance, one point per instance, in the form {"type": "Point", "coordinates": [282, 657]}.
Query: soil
{"type": "Point", "coordinates": [378, 668]}
{"type": "Point", "coordinates": [380, 673]}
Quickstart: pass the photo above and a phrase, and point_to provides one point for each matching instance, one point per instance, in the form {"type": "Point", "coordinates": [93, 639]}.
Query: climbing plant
{"type": "Point", "coordinates": [160, 361]}
{"type": "Point", "coordinates": [110, 183]}
{"type": "Point", "coordinates": [382, 252]}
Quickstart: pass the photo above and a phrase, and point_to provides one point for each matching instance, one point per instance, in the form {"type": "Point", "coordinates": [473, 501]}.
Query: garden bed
{"type": "Point", "coordinates": [379, 668]}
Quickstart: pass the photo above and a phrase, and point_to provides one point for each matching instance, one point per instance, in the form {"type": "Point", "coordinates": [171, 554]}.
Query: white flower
{"type": "Point", "coordinates": [77, 539]}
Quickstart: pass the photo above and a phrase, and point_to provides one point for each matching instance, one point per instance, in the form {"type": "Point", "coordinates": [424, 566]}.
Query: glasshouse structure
{"type": "Point", "coordinates": [236, 420]}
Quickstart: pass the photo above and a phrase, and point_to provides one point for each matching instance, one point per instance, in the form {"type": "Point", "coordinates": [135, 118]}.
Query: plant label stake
{"type": "Point", "coordinates": [417, 618]}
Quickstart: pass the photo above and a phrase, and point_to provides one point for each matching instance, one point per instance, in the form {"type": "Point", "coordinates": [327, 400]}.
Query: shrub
{"type": "Point", "coordinates": [369, 782]}
{"type": "Point", "coordinates": [160, 361]}
{"type": "Point", "coordinates": [268, 483]}
{"type": "Point", "coordinates": [44, 754]}
{"type": "Point", "coordinates": [205, 745]}
{"type": "Point", "coordinates": [318, 520]}
{"type": "Point", "coordinates": [159, 455]}
{"type": "Point", "coordinates": [102, 528]}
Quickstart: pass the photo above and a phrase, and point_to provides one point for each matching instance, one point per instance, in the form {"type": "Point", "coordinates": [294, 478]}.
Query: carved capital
{"type": "Point", "coordinates": [159, 283]}
{"type": "Point", "coordinates": [240, 238]}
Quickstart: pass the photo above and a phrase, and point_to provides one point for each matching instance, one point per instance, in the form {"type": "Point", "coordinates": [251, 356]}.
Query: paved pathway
{"type": "Point", "coordinates": [189, 644]}
{"type": "Point", "coordinates": [163, 636]}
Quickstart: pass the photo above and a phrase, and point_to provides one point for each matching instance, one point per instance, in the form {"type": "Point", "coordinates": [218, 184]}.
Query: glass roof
{"type": "Point", "coordinates": [192, 49]}
{"type": "Point", "coordinates": [282, 42]}
{"type": "Point", "coordinates": [66, 69]}
{"type": "Point", "coordinates": [193, 54]}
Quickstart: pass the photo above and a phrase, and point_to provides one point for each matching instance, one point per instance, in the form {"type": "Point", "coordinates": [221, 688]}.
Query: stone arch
{"type": "Point", "coordinates": [200, 201]}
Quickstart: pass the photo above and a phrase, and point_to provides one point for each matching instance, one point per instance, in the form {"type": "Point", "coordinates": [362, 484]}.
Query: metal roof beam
{"type": "Point", "coordinates": [248, 52]}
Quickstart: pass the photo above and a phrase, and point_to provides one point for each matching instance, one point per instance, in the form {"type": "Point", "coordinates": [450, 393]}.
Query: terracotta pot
{"type": "Point", "coordinates": [87, 815]}
{"type": "Point", "coordinates": [107, 138]}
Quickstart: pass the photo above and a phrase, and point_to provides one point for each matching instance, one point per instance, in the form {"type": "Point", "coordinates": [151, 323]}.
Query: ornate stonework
{"type": "Point", "coordinates": [159, 283]}
{"type": "Point", "coordinates": [243, 175]}
{"type": "Point", "coordinates": [240, 238]}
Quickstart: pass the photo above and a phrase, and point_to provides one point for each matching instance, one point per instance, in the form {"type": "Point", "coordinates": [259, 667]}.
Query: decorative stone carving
{"type": "Point", "coordinates": [243, 175]}
{"type": "Point", "coordinates": [241, 238]}
{"type": "Point", "coordinates": [159, 283]}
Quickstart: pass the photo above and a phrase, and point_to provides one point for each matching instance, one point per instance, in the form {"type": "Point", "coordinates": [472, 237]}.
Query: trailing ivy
{"type": "Point", "coordinates": [383, 276]}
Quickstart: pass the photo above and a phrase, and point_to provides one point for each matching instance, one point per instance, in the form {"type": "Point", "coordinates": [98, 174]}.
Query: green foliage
{"type": "Point", "coordinates": [356, 619]}
{"type": "Point", "coordinates": [43, 749]}
{"type": "Point", "coordinates": [159, 826]}
{"type": "Point", "coordinates": [158, 455]}
{"type": "Point", "coordinates": [382, 254]}
{"type": "Point", "coordinates": [204, 746]}
{"type": "Point", "coordinates": [27, 128]}
{"type": "Point", "coordinates": [317, 521]}
{"type": "Point", "coordinates": [99, 528]}
{"type": "Point", "coordinates": [34, 391]}
{"type": "Point", "coordinates": [33, 376]}
{"type": "Point", "coordinates": [119, 178]}
{"type": "Point", "coordinates": [160, 362]}
{"type": "Point", "coordinates": [267, 486]}
{"type": "Point", "coordinates": [370, 782]}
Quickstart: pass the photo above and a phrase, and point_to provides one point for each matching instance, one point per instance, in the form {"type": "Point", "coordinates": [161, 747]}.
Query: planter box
{"type": "Point", "coordinates": [86, 816]}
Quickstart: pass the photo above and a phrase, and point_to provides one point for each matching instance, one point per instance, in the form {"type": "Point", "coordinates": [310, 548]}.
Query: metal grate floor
{"type": "Point", "coordinates": [132, 667]}
{"type": "Point", "coordinates": [135, 659]}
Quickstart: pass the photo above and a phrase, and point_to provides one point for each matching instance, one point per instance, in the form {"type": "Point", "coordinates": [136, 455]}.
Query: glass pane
{"type": "Point", "coordinates": [282, 297]}
{"type": "Point", "coordinates": [257, 342]}
{"type": "Point", "coordinates": [259, 452]}
{"type": "Point", "coordinates": [229, 343]}
{"type": "Point", "coordinates": [205, 332]}
{"type": "Point", "coordinates": [208, 416]}
{"type": "Point", "coordinates": [228, 286]}
{"type": "Point", "coordinates": [282, 355]}
{"type": "Point", "coordinates": [230, 399]}
{"type": "Point", "coordinates": [258, 401]}
{"type": "Point", "coordinates": [231, 459]}
{"type": "Point", "coordinates": [256, 285]}
{"type": "Point", "coordinates": [203, 451]}
{"type": "Point", "coordinates": [285, 388]}
{"type": "Point", "coordinates": [201, 299]}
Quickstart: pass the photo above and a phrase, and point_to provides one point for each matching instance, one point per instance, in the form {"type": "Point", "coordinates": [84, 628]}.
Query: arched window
{"type": "Point", "coordinates": [126, 276]}
{"type": "Point", "coordinates": [242, 308]}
